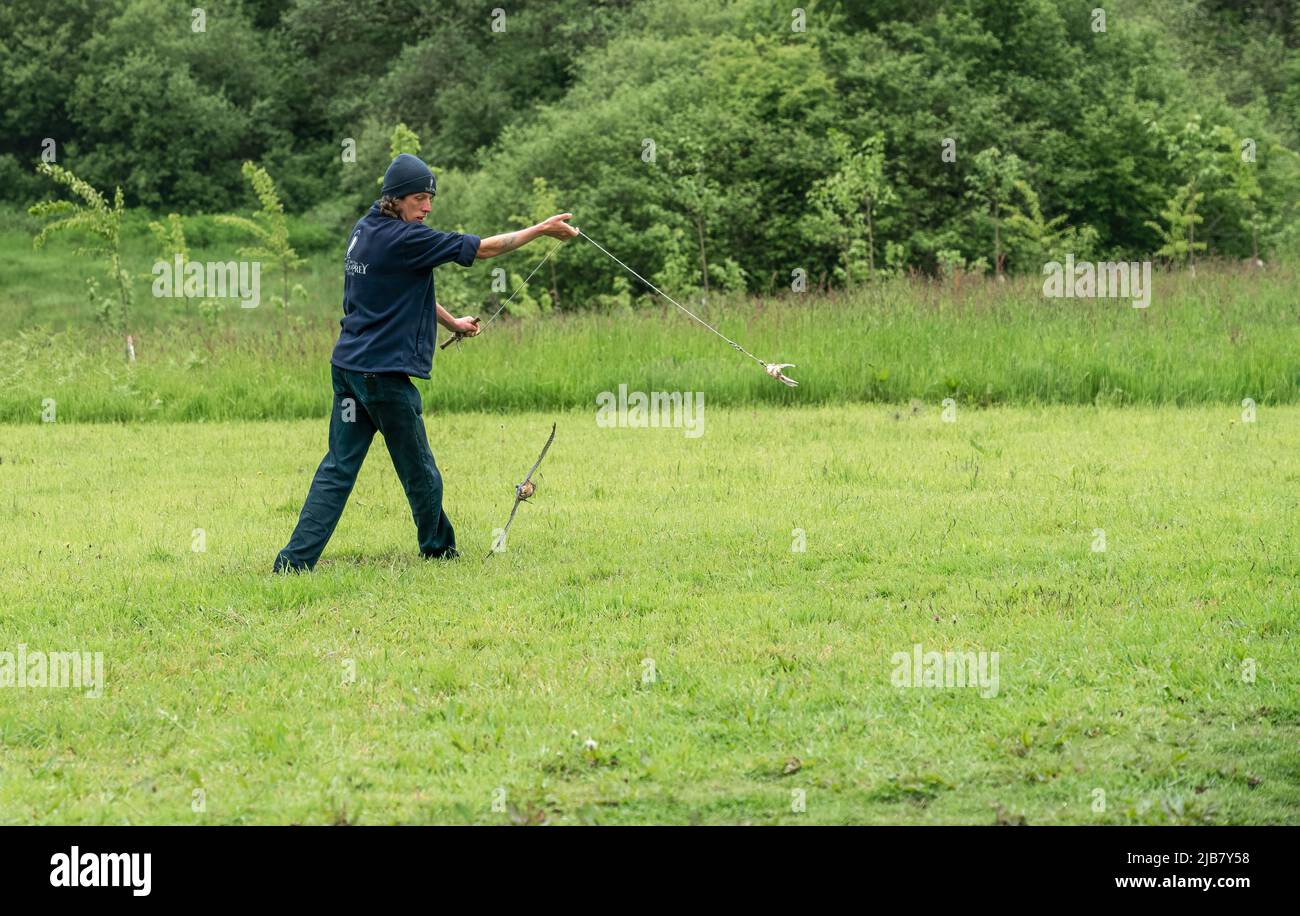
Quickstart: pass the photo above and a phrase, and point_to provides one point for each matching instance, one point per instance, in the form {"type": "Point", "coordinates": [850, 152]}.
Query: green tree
{"type": "Point", "coordinates": [98, 221]}
{"type": "Point", "coordinates": [1178, 231]}
{"type": "Point", "coordinates": [268, 228]}
{"type": "Point", "coordinates": [1214, 179]}
{"type": "Point", "coordinates": [1280, 226]}
{"type": "Point", "coordinates": [991, 181]}
{"type": "Point", "coordinates": [696, 194]}
{"type": "Point", "coordinates": [846, 202]}
{"type": "Point", "coordinates": [172, 249]}
{"type": "Point", "coordinates": [1243, 184]}
{"type": "Point", "coordinates": [1033, 240]}
{"type": "Point", "coordinates": [543, 202]}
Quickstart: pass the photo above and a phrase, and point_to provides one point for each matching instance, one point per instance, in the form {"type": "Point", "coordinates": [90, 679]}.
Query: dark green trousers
{"type": "Point", "coordinates": [366, 403]}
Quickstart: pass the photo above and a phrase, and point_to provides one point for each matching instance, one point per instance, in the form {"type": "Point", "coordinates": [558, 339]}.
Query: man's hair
{"type": "Point", "coordinates": [388, 207]}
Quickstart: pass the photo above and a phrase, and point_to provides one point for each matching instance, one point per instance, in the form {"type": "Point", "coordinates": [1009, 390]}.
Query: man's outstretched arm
{"type": "Point", "coordinates": [555, 227]}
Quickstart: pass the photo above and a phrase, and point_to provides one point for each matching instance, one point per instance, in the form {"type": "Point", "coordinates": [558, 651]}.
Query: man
{"type": "Point", "coordinates": [387, 336]}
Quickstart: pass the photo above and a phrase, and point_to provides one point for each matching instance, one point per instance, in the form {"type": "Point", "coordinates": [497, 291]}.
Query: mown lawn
{"type": "Point", "coordinates": [650, 601]}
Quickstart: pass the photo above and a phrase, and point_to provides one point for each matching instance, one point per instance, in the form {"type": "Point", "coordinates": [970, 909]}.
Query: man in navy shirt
{"type": "Point", "coordinates": [388, 334]}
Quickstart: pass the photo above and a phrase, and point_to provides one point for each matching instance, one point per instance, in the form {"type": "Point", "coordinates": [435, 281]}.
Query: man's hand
{"type": "Point", "coordinates": [557, 228]}
{"type": "Point", "coordinates": [468, 325]}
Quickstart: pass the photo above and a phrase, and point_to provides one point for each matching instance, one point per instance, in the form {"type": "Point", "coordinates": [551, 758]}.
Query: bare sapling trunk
{"type": "Point", "coordinates": [704, 260]}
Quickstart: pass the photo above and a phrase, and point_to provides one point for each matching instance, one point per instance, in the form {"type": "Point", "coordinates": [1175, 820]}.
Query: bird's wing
{"type": "Point", "coordinates": [774, 370]}
{"type": "Point", "coordinates": [542, 455]}
{"type": "Point", "coordinates": [506, 530]}
{"type": "Point", "coordinates": [513, 510]}
{"type": "Point", "coordinates": [518, 499]}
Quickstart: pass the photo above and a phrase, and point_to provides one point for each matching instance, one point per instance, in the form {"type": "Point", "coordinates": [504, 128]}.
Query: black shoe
{"type": "Point", "coordinates": [282, 565]}
{"type": "Point", "coordinates": [451, 553]}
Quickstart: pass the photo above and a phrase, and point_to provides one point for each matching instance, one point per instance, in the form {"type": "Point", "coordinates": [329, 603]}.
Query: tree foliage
{"type": "Point", "coordinates": [268, 228]}
{"type": "Point", "coordinates": [773, 148]}
{"type": "Point", "coordinates": [100, 226]}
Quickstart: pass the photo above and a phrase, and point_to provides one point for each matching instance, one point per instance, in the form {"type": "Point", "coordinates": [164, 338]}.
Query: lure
{"type": "Point", "coordinates": [523, 492]}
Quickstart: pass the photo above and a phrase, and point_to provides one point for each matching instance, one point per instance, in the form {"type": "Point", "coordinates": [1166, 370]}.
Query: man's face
{"type": "Point", "coordinates": [414, 206]}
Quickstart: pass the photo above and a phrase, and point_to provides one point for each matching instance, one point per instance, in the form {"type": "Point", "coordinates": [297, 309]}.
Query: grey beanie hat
{"type": "Point", "coordinates": [408, 175]}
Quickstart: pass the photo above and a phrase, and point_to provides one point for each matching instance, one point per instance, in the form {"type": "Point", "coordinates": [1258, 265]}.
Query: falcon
{"type": "Point", "coordinates": [523, 492]}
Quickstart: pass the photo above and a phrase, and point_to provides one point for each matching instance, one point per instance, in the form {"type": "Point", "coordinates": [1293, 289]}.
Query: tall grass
{"type": "Point", "coordinates": [1219, 337]}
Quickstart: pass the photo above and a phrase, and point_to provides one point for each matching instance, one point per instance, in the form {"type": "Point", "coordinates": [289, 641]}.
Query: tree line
{"type": "Point", "coordinates": [713, 145]}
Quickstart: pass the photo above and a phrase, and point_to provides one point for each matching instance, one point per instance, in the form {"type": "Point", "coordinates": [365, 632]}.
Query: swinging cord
{"type": "Point", "coordinates": [766, 366]}
{"type": "Point", "coordinates": [674, 301]}
{"type": "Point", "coordinates": [525, 283]}
{"type": "Point", "coordinates": [459, 336]}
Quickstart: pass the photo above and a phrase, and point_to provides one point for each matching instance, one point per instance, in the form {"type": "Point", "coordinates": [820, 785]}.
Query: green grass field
{"type": "Point", "coordinates": [653, 646]}
{"type": "Point", "coordinates": [650, 601]}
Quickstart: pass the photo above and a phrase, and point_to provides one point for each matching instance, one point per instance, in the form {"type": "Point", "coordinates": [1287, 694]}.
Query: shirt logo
{"type": "Point", "coordinates": [351, 267]}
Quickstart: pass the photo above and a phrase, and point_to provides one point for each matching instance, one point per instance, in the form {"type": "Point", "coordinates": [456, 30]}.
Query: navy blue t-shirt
{"type": "Point", "coordinates": [389, 323]}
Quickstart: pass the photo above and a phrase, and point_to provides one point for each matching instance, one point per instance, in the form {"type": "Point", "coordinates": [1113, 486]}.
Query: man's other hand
{"type": "Point", "coordinates": [467, 325]}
